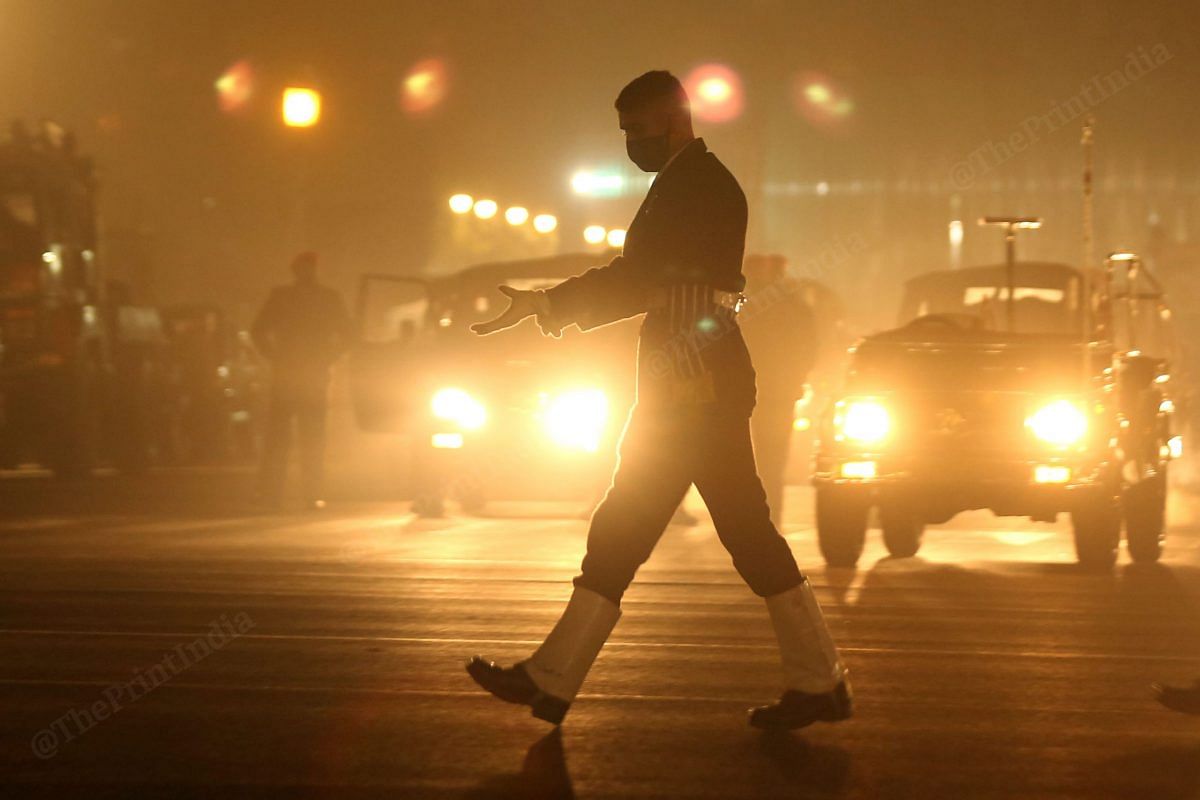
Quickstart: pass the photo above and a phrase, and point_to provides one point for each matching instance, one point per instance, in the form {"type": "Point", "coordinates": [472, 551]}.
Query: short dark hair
{"type": "Point", "coordinates": [650, 88]}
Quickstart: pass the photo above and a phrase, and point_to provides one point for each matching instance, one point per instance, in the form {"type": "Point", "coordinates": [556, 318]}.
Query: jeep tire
{"type": "Point", "coordinates": [902, 528]}
{"type": "Point", "coordinates": [842, 523]}
{"type": "Point", "coordinates": [1096, 522]}
{"type": "Point", "coordinates": [1144, 505]}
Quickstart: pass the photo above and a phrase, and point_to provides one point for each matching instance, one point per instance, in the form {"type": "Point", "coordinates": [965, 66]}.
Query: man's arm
{"type": "Point", "coordinates": [602, 295]}
{"type": "Point", "coordinates": [598, 297]}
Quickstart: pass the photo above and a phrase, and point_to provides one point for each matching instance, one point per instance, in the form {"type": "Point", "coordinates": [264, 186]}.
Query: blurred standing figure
{"type": "Point", "coordinates": [301, 330]}
{"type": "Point", "coordinates": [781, 332]}
{"type": "Point", "coordinates": [681, 266]}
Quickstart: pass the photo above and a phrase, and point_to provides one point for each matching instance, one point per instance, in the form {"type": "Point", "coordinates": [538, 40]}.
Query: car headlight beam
{"type": "Point", "coordinates": [863, 421]}
{"type": "Point", "coordinates": [455, 405]}
{"type": "Point", "coordinates": [576, 419]}
{"type": "Point", "coordinates": [1060, 423]}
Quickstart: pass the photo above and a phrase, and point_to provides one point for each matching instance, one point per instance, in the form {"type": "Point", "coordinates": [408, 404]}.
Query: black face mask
{"type": "Point", "coordinates": [649, 153]}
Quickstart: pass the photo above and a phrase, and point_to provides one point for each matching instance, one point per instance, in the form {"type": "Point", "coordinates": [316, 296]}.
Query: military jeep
{"type": "Point", "coordinates": [1017, 388]}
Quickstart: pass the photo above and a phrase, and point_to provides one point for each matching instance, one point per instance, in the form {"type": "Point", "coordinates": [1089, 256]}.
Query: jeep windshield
{"type": "Point", "coordinates": [1045, 298]}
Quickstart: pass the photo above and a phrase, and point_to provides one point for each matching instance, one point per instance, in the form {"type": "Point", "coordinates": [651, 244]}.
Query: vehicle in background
{"type": "Point", "coordinates": [512, 414]}
{"type": "Point", "coordinates": [1026, 388]}
{"type": "Point", "coordinates": [55, 361]}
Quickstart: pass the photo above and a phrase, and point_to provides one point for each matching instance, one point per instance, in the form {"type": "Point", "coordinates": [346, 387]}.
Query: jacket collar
{"type": "Point", "coordinates": [686, 153]}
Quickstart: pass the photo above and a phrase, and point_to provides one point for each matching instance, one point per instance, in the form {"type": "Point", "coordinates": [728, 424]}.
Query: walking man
{"type": "Point", "coordinates": [682, 267]}
{"type": "Point", "coordinates": [302, 329]}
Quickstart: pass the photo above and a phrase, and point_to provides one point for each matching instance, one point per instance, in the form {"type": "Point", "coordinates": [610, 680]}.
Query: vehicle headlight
{"type": "Point", "coordinates": [1060, 423]}
{"type": "Point", "coordinates": [866, 421]}
{"type": "Point", "coordinates": [455, 405]}
{"type": "Point", "coordinates": [576, 419]}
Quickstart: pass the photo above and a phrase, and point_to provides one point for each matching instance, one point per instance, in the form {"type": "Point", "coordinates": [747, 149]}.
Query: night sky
{"type": "Point", "coordinates": [216, 201]}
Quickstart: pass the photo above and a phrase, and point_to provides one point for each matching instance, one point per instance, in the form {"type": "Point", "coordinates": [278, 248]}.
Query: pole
{"type": "Point", "coordinates": [1010, 274]}
{"type": "Point", "coordinates": [1088, 225]}
{"type": "Point", "coordinates": [1011, 226]}
{"type": "Point", "coordinates": [1089, 254]}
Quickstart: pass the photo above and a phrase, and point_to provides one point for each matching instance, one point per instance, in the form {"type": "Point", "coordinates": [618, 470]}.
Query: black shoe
{"type": "Point", "coordinates": [800, 709]}
{"type": "Point", "coordinates": [513, 685]}
{"type": "Point", "coordinates": [1177, 699]}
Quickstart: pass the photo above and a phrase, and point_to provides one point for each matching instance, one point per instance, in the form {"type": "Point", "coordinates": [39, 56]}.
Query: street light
{"type": "Point", "coordinates": [716, 92]}
{"type": "Point", "coordinates": [516, 215]}
{"type": "Point", "coordinates": [461, 203]}
{"type": "Point", "coordinates": [594, 234]}
{"type": "Point", "coordinates": [545, 223]}
{"type": "Point", "coordinates": [597, 184]}
{"type": "Point", "coordinates": [1011, 225]}
{"type": "Point", "coordinates": [486, 209]}
{"type": "Point", "coordinates": [616, 237]}
{"type": "Point", "coordinates": [301, 107]}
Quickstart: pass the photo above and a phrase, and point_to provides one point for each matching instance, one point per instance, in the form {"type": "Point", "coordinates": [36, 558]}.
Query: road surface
{"type": "Point", "coordinates": [159, 639]}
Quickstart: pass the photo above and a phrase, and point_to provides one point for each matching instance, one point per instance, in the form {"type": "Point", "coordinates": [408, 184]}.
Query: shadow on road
{"type": "Point", "coordinates": [543, 775]}
{"type": "Point", "coordinates": [817, 770]}
{"type": "Point", "coordinates": [1176, 769]}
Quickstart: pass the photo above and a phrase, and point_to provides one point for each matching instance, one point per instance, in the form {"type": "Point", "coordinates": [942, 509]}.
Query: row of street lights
{"type": "Point", "coordinates": [301, 108]}
{"type": "Point", "coordinates": [517, 216]}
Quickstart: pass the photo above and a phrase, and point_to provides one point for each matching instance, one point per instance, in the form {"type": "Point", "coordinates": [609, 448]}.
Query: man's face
{"type": "Point", "coordinates": [643, 123]}
{"type": "Point", "coordinates": [647, 136]}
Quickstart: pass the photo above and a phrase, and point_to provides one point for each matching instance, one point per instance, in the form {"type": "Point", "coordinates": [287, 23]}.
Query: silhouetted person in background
{"type": "Point", "coordinates": [682, 267]}
{"type": "Point", "coordinates": [301, 330]}
{"type": "Point", "coordinates": [782, 335]}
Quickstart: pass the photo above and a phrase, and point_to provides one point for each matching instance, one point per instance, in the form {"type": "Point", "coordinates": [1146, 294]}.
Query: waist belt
{"type": "Point", "coordinates": [696, 298]}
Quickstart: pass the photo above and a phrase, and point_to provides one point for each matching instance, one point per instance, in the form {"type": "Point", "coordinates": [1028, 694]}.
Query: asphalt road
{"type": "Point", "coordinates": [156, 639]}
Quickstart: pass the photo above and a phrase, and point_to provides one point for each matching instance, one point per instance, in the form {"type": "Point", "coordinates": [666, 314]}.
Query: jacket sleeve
{"type": "Point", "coordinates": [602, 295]}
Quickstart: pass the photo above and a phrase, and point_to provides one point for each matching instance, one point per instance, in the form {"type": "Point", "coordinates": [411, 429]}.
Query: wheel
{"type": "Point", "coordinates": [1145, 509]}
{"type": "Point", "coordinates": [1096, 521]}
{"type": "Point", "coordinates": [841, 524]}
{"type": "Point", "coordinates": [902, 529]}
{"type": "Point", "coordinates": [471, 495]}
{"type": "Point", "coordinates": [428, 505]}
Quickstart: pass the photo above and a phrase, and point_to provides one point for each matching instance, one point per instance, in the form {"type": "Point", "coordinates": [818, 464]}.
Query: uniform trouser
{"type": "Point", "coordinates": [661, 456]}
{"type": "Point", "coordinates": [302, 401]}
{"type": "Point", "coordinates": [771, 429]}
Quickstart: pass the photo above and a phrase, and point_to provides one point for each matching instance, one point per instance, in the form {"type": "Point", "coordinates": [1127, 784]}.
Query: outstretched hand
{"type": "Point", "coordinates": [521, 304]}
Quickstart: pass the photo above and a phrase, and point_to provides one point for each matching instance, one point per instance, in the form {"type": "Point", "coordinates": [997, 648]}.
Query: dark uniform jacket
{"type": "Point", "coordinates": [302, 330]}
{"type": "Point", "coordinates": [687, 238]}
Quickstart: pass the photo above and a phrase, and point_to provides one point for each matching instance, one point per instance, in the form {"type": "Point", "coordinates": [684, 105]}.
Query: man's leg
{"type": "Point", "coordinates": [771, 430]}
{"type": "Point", "coordinates": [649, 483]}
{"type": "Point", "coordinates": [650, 480]}
{"type": "Point", "coordinates": [277, 441]}
{"type": "Point", "coordinates": [311, 423]}
{"type": "Point", "coordinates": [817, 687]}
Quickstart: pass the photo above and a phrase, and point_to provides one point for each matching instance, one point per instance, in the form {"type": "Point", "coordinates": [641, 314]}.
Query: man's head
{"type": "Point", "coordinates": [304, 268]}
{"type": "Point", "coordinates": [656, 117]}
